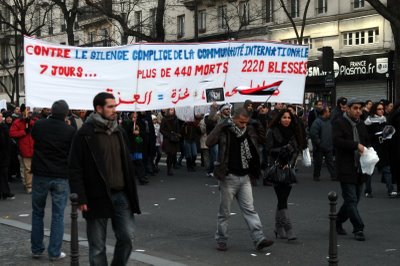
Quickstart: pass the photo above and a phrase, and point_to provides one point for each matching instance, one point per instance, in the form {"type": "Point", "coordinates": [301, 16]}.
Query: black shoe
{"type": "Point", "coordinates": [316, 178]}
{"type": "Point", "coordinates": [264, 243]}
{"type": "Point", "coordinates": [221, 246]}
{"type": "Point", "coordinates": [170, 173]}
{"type": "Point", "coordinates": [8, 196]}
{"type": "Point", "coordinates": [359, 236]}
{"type": "Point", "coordinates": [341, 231]}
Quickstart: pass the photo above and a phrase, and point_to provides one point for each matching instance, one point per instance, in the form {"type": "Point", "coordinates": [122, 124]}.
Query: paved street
{"type": "Point", "coordinates": [179, 220]}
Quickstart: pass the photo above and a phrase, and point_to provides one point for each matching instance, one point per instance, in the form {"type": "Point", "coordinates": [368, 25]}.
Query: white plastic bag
{"type": "Point", "coordinates": [368, 160]}
{"type": "Point", "coordinates": [306, 157]}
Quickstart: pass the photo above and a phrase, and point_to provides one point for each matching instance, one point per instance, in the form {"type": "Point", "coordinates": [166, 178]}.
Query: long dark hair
{"type": "Point", "coordinates": [294, 125]}
{"type": "Point", "coordinates": [375, 107]}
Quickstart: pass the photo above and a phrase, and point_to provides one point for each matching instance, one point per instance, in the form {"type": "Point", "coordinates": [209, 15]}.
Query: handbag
{"type": "Point", "coordinates": [174, 137]}
{"type": "Point", "coordinates": [278, 174]}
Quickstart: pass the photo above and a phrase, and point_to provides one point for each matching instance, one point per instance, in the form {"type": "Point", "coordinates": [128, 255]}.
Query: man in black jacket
{"type": "Point", "coordinates": [53, 138]}
{"type": "Point", "coordinates": [103, 177]}
{"type": "Point", "coordinates": [238, 159]}
{"type": "Point", "coordinates": [350, 137]}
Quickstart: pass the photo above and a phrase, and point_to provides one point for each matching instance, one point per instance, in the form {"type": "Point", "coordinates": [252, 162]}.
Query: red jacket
{"type": "Point", "coordinates": [25, 141]}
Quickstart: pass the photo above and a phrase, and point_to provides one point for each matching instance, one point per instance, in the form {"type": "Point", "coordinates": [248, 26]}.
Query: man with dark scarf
{"type": "Point", "coordinates": [103, 177]}
{"type": "Point", "coordinates": [350, 137]}
{"type": "Point", "coordinates": [238, 160]}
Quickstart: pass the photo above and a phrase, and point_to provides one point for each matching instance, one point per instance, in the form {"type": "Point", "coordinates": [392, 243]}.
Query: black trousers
{"type": "Point", "coordinates": [4, 187]}
{"type": "Point", "coordinates": [282, 192]}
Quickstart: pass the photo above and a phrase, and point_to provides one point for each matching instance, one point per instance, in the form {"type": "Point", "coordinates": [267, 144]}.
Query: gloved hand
{"type": "Point", "coordinates": [27, 120]}
{"type": "Point", "coordinates": [28, 130]}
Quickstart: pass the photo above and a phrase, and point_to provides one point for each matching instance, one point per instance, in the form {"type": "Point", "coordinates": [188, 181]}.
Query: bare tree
{"type": "Point", "coordinates": [18, 18]}
{"type": "Point", "coordinates": [302, 25]}
{"type": "Point", "coordinates": [234, 17]}
{"type": "Point", "coordinates": [123, 18]}
{"type": "Point", "coordinates": [70, 11]}
{"type": "Point", "coordinates": [390, 11]}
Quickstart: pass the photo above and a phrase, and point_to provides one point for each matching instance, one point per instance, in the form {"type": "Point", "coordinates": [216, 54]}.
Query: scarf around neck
{"type": "Point", "coordinates": [375, 119]}
{"type": "Point", "coordinates": [245, 153]}
{"type": "Point", "coordinates": [356, 137]}
{"type": "Point", "coordinates": [109, 126]}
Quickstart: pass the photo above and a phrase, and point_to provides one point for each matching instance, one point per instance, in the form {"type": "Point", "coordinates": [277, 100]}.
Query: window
{"type": "Point", "coordinates": [358, 3]}
{"type": "Point", "coordinates": [138, 24]}
{"type": "Point", "coordinates": [202, 16]}
{"type": "Point", "coordinates": [222, 17]}
{"type": "Point", "coordinates": [181, 26]}
{"type": "Point", "coordinates": [244, 11]}
{"type": "Point", "coordinates": [361, 37]}
{"type": "Point", "coordinates": [294, 8]}
{"type": "Point", "coordinates": [269, 10]}
{"type": "Point", "coordinates": [322, 6]}
{"type": "Point", "coordinates": [104, 35]}
{"type": "Point", "coordinates": [306, 41]}
{"type": "Point", "coordinates": [91, 38]}
{"type": "Point", "coordinates": [152, 22]}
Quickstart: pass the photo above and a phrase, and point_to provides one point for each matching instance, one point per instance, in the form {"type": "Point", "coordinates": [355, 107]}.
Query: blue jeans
{"type": "Point", "coordinates": [190, 149]}
{"type": "Point", "coordinates": [213, 156]}
{"type": "Point", "coordinates": [387, 177]}
{"type": "Point", "coordinates": [351, 195]}
{"type": "Point", "coordinates": [59, 190]}
{"type": "Point", "coordinates": [123, 227]}
{"type": "Point", "coordinates": [238, 187]}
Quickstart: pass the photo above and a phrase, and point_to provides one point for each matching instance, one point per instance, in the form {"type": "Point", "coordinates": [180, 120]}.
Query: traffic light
{"type": "Point", "coordinates": [327, 58]}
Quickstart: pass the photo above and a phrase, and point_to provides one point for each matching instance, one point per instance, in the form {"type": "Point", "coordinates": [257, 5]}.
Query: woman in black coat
{"type": "Point", "coordinates": [283, 146]}
{"type": "Point", "coordinates": [375, 123]}
{"type": "Point", "coordinates": [170, 130]}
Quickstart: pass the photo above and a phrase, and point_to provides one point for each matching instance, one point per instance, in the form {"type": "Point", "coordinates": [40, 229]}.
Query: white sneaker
{"type": "Point", "coordinates": [210, 174]}
{"type": "Point", "coordinates": [62, 255]}
{"type": "Point", "coordinates": [393, 194]}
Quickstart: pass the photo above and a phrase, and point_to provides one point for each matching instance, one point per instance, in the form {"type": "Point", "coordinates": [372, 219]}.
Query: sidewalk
{"type": "Point", "coordinates": [15, 250]}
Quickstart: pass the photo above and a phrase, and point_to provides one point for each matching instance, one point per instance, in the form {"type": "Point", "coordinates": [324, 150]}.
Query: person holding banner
{"type": "Point", "coordinates": [102, 175]}
{"type": "Point", "coordinates": [170, 130]}
{"type": "Point", "coordinates": [237, 162]}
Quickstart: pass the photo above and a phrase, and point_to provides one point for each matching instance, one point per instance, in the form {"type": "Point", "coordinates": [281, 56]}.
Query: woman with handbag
{"type": "Point", "coordinates": [170, 130]}
{"type": "Point", "coordinates": [282, 146]}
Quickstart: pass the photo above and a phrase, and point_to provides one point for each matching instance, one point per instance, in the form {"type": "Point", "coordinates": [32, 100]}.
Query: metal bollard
{"type": "Point", "coordinates": [333, 252]}
{"type": "Point", "coordinates": [74, 230]}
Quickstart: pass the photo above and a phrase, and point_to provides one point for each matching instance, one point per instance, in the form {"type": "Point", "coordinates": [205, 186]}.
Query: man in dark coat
{"type": "Point", "coordinates": [5, 148]}
{"type": "Point", "coordinates": [103, 177]}
{"type": "Point", "coordinates": [350, 137]}
{"type": "Point", "coordinates": [53, 138]}
{"type": "Point", "coordinates": [238, 159]}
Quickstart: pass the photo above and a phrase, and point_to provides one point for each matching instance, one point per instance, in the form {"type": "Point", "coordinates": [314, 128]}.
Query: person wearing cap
{"type": "Point", "coordinates": [341, 107]}
{"type": "Point", "coordinates": [376, 123]}
{"type": "Point", "coordinates": [53, 138]}
{"type": "Point", "coordinates": [350, 137]}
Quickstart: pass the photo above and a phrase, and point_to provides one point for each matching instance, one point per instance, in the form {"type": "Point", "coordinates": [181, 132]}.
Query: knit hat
{"type": "Point", "coordinates": [60, 108]}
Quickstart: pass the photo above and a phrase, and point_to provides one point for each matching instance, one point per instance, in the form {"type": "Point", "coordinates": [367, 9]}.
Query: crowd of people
{"type": "Point", "coordinates": [99, 154]}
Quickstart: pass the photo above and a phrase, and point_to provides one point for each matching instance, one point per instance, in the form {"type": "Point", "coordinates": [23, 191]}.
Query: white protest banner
{"type": "Point", "coordinates": [148, 76]}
